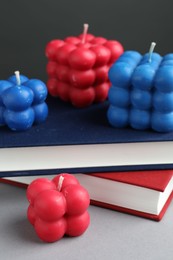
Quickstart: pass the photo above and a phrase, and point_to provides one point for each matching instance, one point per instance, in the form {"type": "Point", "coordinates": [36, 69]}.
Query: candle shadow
{"type": "Point", "coordinates": [97, 114]}
{"type": "Point", "coordinates": [21, 229]}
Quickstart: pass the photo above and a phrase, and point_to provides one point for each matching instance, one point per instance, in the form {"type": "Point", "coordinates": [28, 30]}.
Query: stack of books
{"type": "Point", "coordinates": [123, 169]}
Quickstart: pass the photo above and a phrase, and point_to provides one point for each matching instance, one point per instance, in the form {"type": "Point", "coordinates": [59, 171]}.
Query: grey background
{"type": "Point", "coordinates": [111, 235]}
{"type": "Point", "coordinates": [27, 26]}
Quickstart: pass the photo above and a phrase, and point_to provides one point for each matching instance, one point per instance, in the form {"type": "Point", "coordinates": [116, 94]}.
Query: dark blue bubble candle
{"type": "Point", "coordinates": [22, 102]}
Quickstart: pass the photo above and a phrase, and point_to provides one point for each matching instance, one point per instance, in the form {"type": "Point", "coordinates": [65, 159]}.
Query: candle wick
{"type": "Point", "coordinates": [152, 46]}
{"type": "Point", "coordinates": [85, 30]}
{"type": "Point", "coordinates": [61, 179]}
{"type": "Point", "coordinates": [17, 73]}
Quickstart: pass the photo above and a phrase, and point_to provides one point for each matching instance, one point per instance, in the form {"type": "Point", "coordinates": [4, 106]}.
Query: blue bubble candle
{"type": "Point", "coordinates": [141, 94]}
{"type": "Point", "coordinates": [22, 102]}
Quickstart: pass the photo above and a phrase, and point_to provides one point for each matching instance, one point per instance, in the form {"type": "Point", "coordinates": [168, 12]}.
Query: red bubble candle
{"type": "Point", "coordinates": [78, 67]}
{"type": "Point", "coordinates": [58, 207]}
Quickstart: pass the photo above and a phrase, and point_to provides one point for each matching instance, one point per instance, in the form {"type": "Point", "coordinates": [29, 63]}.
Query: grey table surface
{"type": "Point", "coordinates": [111, 235]}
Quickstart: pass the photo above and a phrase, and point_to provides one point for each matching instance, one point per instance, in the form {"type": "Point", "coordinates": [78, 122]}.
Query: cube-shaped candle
{"type": "Point", "coordinates": [22, 102]}
{"type": "Point", "coordinates": [78, 67]}
{"type": "Point", "coordinates": [141, 94]}
{"type": "Point", "coordinates": [58, 207]}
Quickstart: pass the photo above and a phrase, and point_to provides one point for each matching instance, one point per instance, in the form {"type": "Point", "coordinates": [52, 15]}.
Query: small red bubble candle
{"type": "Point", "coordinates": [78, 67]}
{"type": "Point", "coordinates": [58, 207]}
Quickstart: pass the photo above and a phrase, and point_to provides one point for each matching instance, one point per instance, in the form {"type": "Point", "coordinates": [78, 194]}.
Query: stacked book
{"type": "Point", "coordinates": [123, 169]}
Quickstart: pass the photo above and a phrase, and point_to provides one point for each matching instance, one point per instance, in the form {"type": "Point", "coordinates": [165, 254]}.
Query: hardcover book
{"type": "Point", "coordinates": [142, 193]}
{"type": "Point", "coordinates": [81, 140]}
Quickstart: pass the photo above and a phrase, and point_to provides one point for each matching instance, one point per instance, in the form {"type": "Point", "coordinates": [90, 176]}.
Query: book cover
{"type": "Point", "coordinates": [81, 140]}
{"type": "Point", "coordinates": [141, 193]}
{"type": "Point", "coordinates": [153, 179]}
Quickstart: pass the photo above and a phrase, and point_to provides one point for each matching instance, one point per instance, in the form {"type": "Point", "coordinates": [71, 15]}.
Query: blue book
{"type": "Point", "coordinates": [81, 140]}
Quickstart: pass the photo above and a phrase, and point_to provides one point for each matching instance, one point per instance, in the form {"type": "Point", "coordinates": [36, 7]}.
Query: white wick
{"type": "Point", "coordinates": [17, 73]}
{"type": "Point", "coordinates": [61, 179]}
{"type": "Point", "coordinates": [85, 30]}
{"type": "Point", "coordinates": [152, 46]}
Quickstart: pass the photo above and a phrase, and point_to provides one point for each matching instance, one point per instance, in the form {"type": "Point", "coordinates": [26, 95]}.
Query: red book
{"type": "Point", "coordinates": [142, 193]}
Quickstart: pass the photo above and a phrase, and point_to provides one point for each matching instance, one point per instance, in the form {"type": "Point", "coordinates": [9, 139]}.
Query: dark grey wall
{"type": "Point", "coordinates": [26, 26]}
